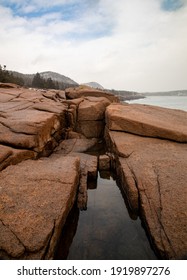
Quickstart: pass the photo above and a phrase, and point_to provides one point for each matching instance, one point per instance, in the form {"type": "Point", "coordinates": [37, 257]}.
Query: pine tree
{"type": "Point", "coordinates": [8, 77]}
{"type": "Point", "coordinates": [38, 81]}
{"type": "Point", "coordinates": [50, 83]}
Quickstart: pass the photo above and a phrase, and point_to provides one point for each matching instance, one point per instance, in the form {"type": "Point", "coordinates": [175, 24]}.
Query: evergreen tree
{"type": "Point", "coordinates": [8, 77]}
{"type": "Point", "coordinates": [56, 85]}
{"type": "Point", "coordinates": [38, 81]}
{"type": "Point", "coordinates": [4, 75]}
{"type": "Point", "coordinates": [50, 83]}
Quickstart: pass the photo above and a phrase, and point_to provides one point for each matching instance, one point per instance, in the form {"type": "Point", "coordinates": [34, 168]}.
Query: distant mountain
{"type": "Point", "coordinates": [94, 85]}
{"type": "Point", "coordinates": [27, 78]}
{"type": "Point", "coordinates": [167, 93]}
{"type": "Point", "coordinates": [62, 80]}
{"type": "Point", "coordinates": [57, 77]}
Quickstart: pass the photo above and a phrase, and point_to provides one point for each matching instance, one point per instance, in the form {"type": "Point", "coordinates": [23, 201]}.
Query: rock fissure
{"type": "Point", "coordinates": [135, 201]}
{"type": "Point", "coordinates": [16, 146]}
{"type": "Point", "coordinates": [5, 157]}
{"type": "Point", "coordinates": [159, 213]}
{"type": "Point", "coordinates": [49, 241]}
{"type": "Point", "coordinates": [22, 108]}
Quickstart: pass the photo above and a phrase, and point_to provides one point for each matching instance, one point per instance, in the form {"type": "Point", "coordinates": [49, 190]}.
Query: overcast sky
{"type": "Point", "coordinates": [138, 45]}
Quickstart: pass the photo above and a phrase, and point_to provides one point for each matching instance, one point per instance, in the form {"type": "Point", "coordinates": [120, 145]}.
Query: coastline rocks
{"type": "Point", "coordinates": [31, 121]}
{"type": "Point", "coordinates": [146, 120]}
{"type": "Point", "coordinates": [32, 133]}
{"type": "Point", "coordinates": [91, 116]}
{"type": "Point", "coordinates": [35, 199]}
{"type": "Point", "coordinates": [92, 108]}
{"type": "Point", "coordinates": [85, 91]}
{"type": "Point", "coordinates": [153, 173]}
{"type": "Point", "coordinates": [148, 150]}
{"type": "Point", "coordinates": [86, 115]}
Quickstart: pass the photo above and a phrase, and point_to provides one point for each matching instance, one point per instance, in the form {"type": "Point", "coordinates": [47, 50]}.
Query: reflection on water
{"type": "Point", "coordinates": [105, 230]}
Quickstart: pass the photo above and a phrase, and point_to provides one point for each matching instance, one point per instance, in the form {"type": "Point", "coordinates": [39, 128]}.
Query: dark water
{"type": "Point", "coordinates": [106, 230]}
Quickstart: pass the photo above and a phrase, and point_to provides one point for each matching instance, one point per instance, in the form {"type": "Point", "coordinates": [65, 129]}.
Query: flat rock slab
{"type": "Point", "coordinates": [35, 199]}
{"type": "Point", "coordinates": [154, 176]}
{"type": "Point", "coordinates": [148, 120]}
{"type": "Point", "coordinates": [84, 91]}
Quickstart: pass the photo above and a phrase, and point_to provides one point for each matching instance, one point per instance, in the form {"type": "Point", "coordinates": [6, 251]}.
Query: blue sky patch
{"type": "Point", "coordinates": [171, 5]}
{"type": "Point", "coordinates": [75, 11]}
{"type": "Point", "coordinates": [69, 11]}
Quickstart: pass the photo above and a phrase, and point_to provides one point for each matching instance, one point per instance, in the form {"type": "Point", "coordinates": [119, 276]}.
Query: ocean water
{"type": "Point", "coordinates": [173, 102]}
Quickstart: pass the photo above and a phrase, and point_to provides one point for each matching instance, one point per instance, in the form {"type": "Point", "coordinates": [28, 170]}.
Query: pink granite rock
{"type": "Point", "coordinates": [35, 199]}
{"type": "Point", "coordinates": [85, 91]}
{"type": "Point", "coordinates": [145, 120]}
{"type": "Point", "coordinates": [154, 178]}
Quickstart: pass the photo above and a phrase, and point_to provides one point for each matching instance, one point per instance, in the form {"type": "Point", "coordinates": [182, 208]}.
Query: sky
{"type": "Point", "coordinates": [137, 45]}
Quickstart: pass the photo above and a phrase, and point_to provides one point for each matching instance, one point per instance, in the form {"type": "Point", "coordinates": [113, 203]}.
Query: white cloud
{"type": "Point", "coordinates": [133, 45]}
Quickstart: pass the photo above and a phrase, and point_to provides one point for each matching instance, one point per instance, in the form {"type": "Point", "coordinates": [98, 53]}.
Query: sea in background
{"type": "Point", "coordinates": [173, 102]}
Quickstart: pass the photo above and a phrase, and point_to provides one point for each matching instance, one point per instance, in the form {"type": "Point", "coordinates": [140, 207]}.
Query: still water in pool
{"type": "Point", "coordinates": [106, 230]}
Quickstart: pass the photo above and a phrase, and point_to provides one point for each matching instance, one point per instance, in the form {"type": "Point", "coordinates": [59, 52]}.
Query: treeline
{"type": "Point", "coordinates": [39, 82]}
{"type": "Point", "coordinates": [29, 80]}
{"type": "Point", "coordinates": [8, 77]}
